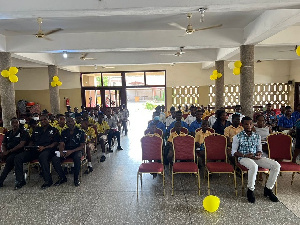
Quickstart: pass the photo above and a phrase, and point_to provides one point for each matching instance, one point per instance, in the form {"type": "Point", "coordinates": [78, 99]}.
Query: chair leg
{"type": "Point", "coordinates": [198, 182]}
{"type": "Point", "coordinates": [172, 183]}
{"type": "Point", "coordinates": [141, 177]}
{"type": "Point", "coordinates": [242, 182]}
{"type": "Point", "coordinates": [164, 182]}
{"type": "Point", "coordinates": [137, 185]}
{"type": "Point", "coordinates": [234, 178]}
{"type": "Point", "coordinates": [276, 187]}
{"type": "Point", "coordinates": [28, 176]}
{"type": "Point", "coordinates": [292, 178]}
{"type": "Point", "coordinates": [208, 186]}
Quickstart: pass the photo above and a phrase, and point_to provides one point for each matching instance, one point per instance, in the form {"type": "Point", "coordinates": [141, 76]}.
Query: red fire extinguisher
{"type": "Point", "coordinates": [67, 102]}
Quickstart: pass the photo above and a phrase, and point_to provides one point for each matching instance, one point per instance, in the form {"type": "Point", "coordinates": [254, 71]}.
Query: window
{"type": "Point", "coordinates": [135, 79]}
{"type": "Point", "coordinates": [112, 79]}
{"type": "Point", "coordinates": [91, 80]}
{"type": "Point", "coordinates": [155, 78]}
{"type": "Point", "coordinates": [108, 80]}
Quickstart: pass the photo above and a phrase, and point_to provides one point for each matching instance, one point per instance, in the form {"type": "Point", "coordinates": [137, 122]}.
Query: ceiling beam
{"type": "Point", "coordinates": [2, 43]}
{"type": "Point", "coordinates": [41, 58]}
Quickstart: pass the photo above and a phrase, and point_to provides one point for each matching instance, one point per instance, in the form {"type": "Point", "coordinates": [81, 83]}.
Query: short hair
{"type": "Point", "coordinates": [177, 112]}
{"type": "Point", "coordinates": [192, 107]}
{"type": "Point", "coordinates": [60, 115]}
{"type": "Point", "coordinates": [172, 108]}
{"type": "Point", "coordinates": [238, 106]}
{"type": "Point", "coordinates": [246, 118]}
{"type": "Point", "coordinates": [219, 113]}
{"type": "Point", "coordinates": [288, 107]}
{"type": "Point", "coordinates": [14, 118]}
{"type": "Point", "coordinates": [235, 116]}
{"type": "Point", "coordinates": [259, 115]}
{"type": "Point", "coordinates": [268, 104]}
{"type": "Point", "coordinates": [45, 115]}
{"type": "Point", "coordinates": [85, 120]}
{"type": "Point", "coordinates": [199, 111]}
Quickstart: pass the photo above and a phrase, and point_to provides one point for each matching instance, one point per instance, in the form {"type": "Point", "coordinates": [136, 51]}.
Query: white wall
{"type": "Point", "coordinates": [295, 70]}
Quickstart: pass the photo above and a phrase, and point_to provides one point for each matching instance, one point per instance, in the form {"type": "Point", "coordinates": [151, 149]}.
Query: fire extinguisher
{"type": "Point", "coordinates": [67, 102]}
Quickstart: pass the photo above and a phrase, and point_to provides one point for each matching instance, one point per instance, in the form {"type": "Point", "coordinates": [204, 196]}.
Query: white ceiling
{"type": "Point", "coordinates": [138, 32]}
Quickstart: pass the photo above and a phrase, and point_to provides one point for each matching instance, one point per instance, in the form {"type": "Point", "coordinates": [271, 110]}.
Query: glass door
{"type": "Point", "coordinates": [112, 98]}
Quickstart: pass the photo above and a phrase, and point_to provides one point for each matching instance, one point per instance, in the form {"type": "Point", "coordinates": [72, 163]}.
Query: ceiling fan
{"type": "Point", "coordinates": [179, 53]}
{"type": "Point", "coordinates": [41, 33]}
{"type": "Point", "coordinates": [189, 29]}
{"type": "Point", "coordinates": [84, 57]}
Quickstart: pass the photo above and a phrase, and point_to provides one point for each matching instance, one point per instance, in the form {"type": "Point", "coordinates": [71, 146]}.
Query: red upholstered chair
{"type": "Point", "coordinates": [184, 150]}
{"type": "Point", "coordinates": [280, 149]}
{"type": "Point", "coordinates": [151, 151]}
{"type": "Point", "coordinates": [209, 129]}
{"type": "Point", "coordinates": [158, 131]}
{"type": "Point", "coordinates": [215, 151]}
{"type": "Point", "coordinates": [183, 130]}
{"type": "Point", "coordinates": [184, 116]}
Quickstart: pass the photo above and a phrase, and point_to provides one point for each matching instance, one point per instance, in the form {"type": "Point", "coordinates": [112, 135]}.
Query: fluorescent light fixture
{"type": "Point", "coordinates": [65, 55]}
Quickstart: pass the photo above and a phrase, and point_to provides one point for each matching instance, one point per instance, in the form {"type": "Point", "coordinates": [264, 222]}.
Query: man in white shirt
{"type": "Point", "coordinates": [170, 119]}
{"type": "Point", "coordinates": [237, 110]}
{"type": "Point", "coordinates": [191, 117]}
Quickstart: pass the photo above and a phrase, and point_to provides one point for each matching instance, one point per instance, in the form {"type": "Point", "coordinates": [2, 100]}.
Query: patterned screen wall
{"type": "Point", "coordinates": [275, 93]}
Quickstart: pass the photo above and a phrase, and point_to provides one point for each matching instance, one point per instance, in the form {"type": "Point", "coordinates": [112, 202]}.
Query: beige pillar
{"type": "Point", "coordinates": [247, 79]}
{"type": "Point", "coordinates": [54, 91]}
{"type": "Point", "coordinates": [7, 91]}
{"type": "Point", "coordinates": [220, 85]}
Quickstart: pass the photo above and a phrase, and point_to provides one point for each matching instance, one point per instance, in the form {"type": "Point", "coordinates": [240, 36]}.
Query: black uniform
{"type": "Point", "coordinates": [71, 141]}
{"type": "Point", "coordinates": [40, 137]}
{"type": "Point", "coordinates": [11, 140]}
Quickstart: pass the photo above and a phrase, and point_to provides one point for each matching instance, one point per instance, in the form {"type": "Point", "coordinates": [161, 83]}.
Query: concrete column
{"type": "Point", "coordinates": [220, 85]}
{"type": "Point", "coordinates": [7, 91]}
{"type": "Point", "coordinates": [247, 79]}
{"type": "Point", "coordinates": [54, 91]}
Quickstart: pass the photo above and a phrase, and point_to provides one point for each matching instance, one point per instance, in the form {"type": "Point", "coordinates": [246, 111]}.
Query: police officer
{"type": "Point", "coordinates": [44, 141]}
{"type": "Point", "coordinates": [72, 146]}
{"type": "Point", "coordinates": [13, 144]}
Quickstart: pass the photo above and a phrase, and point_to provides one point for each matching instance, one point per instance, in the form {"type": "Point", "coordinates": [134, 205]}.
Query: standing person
{"type": "Point", "coordinates": [247, 147]}
{"type": "Point", "coordinates": [197, 123]}
{"type": "Point", "coordinates": [13, 144]}
{"type": "Point", "coordinates": [71, 145]}
{"type": "Point", "coordinates": [125, 115]}
{"type": "Point", "coordinates": [44, 139]}
{"type": "Point", "coordinates": [191, 117]}
{"type": "Point", "coordinates": [237, 110]}
{"type": "Point", "coordinates": [113, 131]}
{"type": "Point", "coordinates": [221, 122]}
{"type": "Point", "coordinates": [287, 122]}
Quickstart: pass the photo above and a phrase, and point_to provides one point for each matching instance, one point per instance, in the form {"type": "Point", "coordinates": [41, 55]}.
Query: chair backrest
{"type": "Point", "coordinates": [151, 148]}
{"type": "Point", "coordinates": [215, 147]}
{"type": "Point", "coordinates": [184, 148]}
{"type": "Point", "coordinates": [184, 116]}
{"type": "Point", "coordinates": [158, 131]}
{"type": "Point", "coordinates": [1, 140]}
{"type": "Point", "coordinates": [280, 146]}
{"type": "Point", "coordinates": [209, 129]}
{"type": "Point", "coordinates": [183, 130]}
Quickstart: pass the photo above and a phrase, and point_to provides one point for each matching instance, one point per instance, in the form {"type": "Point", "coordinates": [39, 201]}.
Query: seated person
{"type": "Point", "coordinates": [158, 124]}
{"type": "Point", "coordinates": [13, 144]}
{"type": "Point", "coordinates": [296, 113]}
{"type": "Point", "coordinates": [90, 142]}
{"type": "Point", "coordinates": [71, 145]}
{"type": "Point", "coordinates": [247, 147]}
{"type": "Point", "coordinates": [221, 122]}
{"type": "Point", "coordinates": [199, 140]}
{"type": "Point", "coordinates": [191, 117]}
{"type": "Point", "coordinates": [287, 122]}
{"type": "Point", "coordinates": [233, 129]}
{"type": "Point", "coordinates": [178, 117]}
{"type": "Point", "coordinates": [297, 146]}
{"type": "Point", "coordinates": [270, 116]}
{"type": "Point", "coordinates": [44, 139]}
{"type": "Point", "coordinates": [113, 131]}
{"type": "Point", "coordinates": [61, 123]}
{"type": "Point", "coordinates": [197, 123]}
{"type": "Point", "coordinates": [78, 119]}
{"type": "Point", "coordinates": [152, 130]}
{"type": "Point", "coordinates": [263, 130]}
{"type": "Point", "coordinates": [102, 130]}
{"type": "Point", "coordinates": [31, 126]}
{"type": "Point", "coordinates": [237, 110]}
{"type": "Point", "coordinates": [170, 119]}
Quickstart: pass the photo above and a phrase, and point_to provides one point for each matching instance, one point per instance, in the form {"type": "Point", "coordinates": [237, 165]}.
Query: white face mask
{"type": "Point", "coordinates": [23, 121]}
{"type": "Point", "coordinates": [36, 118]}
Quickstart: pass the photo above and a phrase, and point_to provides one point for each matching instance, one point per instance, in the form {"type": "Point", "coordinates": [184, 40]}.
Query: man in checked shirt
{"type": "Point", "coordinates": [247, 147]}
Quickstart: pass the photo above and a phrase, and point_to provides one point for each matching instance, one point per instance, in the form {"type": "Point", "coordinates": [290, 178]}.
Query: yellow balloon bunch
{"type": "Point", "coordinates": [211, 203]}
{"type": "Point", "coordinates": [56, 82]}
{"type": "Point", "coordinates": [215, 75]}
{"type": "Point", "coordinates": [237, 67]}
{"type": "Point", "coordinates": [11, 74]}
{"type": "Point", "coordinates": [298, 51]}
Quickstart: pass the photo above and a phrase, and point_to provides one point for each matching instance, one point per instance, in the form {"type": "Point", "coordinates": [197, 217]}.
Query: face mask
{"type": "Point", "coordinates": [23, 121]}
{"type": "Point", "coordinates": [36, 118]}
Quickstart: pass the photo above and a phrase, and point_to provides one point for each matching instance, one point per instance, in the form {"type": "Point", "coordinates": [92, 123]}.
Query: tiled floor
{"type": "Point", "coordinates": [108, 196]}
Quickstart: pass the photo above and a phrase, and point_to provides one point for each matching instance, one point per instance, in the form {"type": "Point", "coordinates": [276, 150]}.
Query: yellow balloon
{"type": "Point", "coordinates": [238, 64]}
{"type": "Point", "coordinates": [211, 203]}
{"type": "Point", "coordinates": [298, 51]}
{"type": "Point", "coordinates": [13, 78]}
{"type": "Point", "coordinates": [215, 72]}
{"type": "Point", "coordinates": [211, 77]}
{"type": "Point", "coordinates": [59, 83]}
{"type": "Point", "coordinates": [5, 73]}
{"type": "Point", "coordinates": [55, 78]}
{"type": "Point", "coordinates": [219, 75]}
{"type": "Point", "coordinates": [53, 84]}
{"type": "Point", "coordinates": [236, 71]}
{"type": "Point", "coordinates": [13, 70]}
{"type": "Point", "coordinates": [215, 76]}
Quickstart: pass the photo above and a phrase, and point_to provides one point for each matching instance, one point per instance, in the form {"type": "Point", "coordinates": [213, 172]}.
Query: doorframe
{"type": "Point", "coordinates": [296, 95]}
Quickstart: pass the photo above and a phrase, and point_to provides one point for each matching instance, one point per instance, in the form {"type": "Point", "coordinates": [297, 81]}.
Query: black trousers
{"type": "Point", "coordinates": [76, 156]}
{"type": "Point", "coordinates": [27, 156]}
{"type": "Point", "coordinates": [9, 165]}
{"type": "Point", "coordinates": [110, 135]}
{"type": "Point", "coordinates": [124, 123]}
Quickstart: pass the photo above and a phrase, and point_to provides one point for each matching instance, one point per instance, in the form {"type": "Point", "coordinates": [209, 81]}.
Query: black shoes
{"type": "Point", "coordinates": [60, 181]}
{"type": "Point", "coordinates": [89, 170]}
{"type": "Point", "coordinates": [250, 196]}
{"type": "Point", "coordinates": [19, 185]}
{"type": "Point", "coordinates": [76, 183]}
{"type": "Point", "coordinates": [119, 148]}
{"type": "Point", "coordinates": [268, 192]}
{"type": "Point", "coordinates": [46, 185]}
{"type": "Point", "coordinates": [1, 185]}
{"type": "Point", "coordinates": [102, 159]}
{"type": "Point", "coordinates": [110, 150]}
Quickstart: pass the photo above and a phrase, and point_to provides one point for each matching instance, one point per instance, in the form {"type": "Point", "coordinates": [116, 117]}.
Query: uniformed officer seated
{"type": "Point", "coordinates": [13, 144]}
{"type": "Point", "coordinates": [72, 146]}
{"type": "Point", "coordinates": [44, 141]}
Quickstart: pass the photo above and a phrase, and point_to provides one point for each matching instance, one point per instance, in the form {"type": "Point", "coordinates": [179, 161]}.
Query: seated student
{"type": "Point", "coordinates": [45, 140]}
{"type": "Point", "coordinates": [191, 117]}
{"type": "Point", "coordinates": [168, 151]}
{"type": "Point", "coordinates": [61, 123]}
{"type": "Point", "coordinates": [287, 122]}
{"type": "Point", "coordinates": [162, 115]}
{"type": "Point", "coordinates": [71, 145]}
{"type": "Point", "coordinates": [152, 130]}
{"type": "Point", "coordinates": [90, 142]}
{"type": "Point", "coordinates": [199, 140]}
{"type": "Point", "coordinates": [296, 113]}
{"type": "Point", "coordinates": [263, 130]}
{"type": "Point", "coordinates": [247, 147]}
{"type": "Point", "coordinates": [178, 117]}
{"type": "Point", "coordinates": [78, 119]}
{"type": "Point", "coordinates": [282, 112]}
{"type": "Point", "coordinates": [237, 110]}
{"type": "Point", "coordinates": [158, 124]}
{"type": "Point", "coordinates": [297, 146]}
{"type": "Point", "coordinates": [221, 122]}
{"type": "Point", "coordinates": [13, 144]}
{"type": "Point", "coordinates": [113, 131]}
{"type": "Point", "coordinates": [197, 123]}
{"type": "Point", "coordinates": [233, 129]}
{"type": "Point", "coordinates": [102, 130]}
{"type": "Point", "coordinates": [170, 119]}
{"type": "Point", "coordinates": [270, 116]}
{"type": "Point", "coordinates": [31, 126]}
